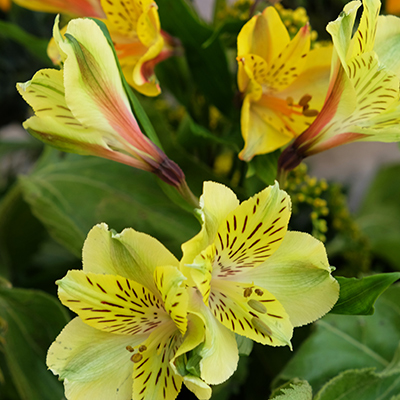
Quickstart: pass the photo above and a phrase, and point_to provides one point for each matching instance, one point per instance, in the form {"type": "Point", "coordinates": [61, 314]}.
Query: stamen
{"type": "Point", "coordinates": [130, 349]}
{"type": "Point", "coordinates": [136, 357]}
{"type": "Point", "coordinates": [257, 306]}
{"type": "Point", "coordinates": [305, 100]}
{"type": "Point", "coordinates": [259, 292]}
{"type": "Point", "coordinates": [142, 348]}
{"type": "Point", "coordinates": [247, 292]}
{"type": "Point", "coordinates": [261, 326]}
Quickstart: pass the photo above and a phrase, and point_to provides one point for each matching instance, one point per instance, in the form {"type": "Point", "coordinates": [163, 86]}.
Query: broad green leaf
{"type": "Point", "coordinates": [20, 233]}
{"type": "Point", "coordinates": [31, 320]}
{"type": "Point", "coordinates": [357, 296]}
{"type": "Point", "coordinates": [293, 390]}
{"type": "Point", "coordinates": [379, 215]}
{"type": "Point", "coordinates": [266, 167]}
{"type": "Point", "coordinates": [72, 195]}
{"type": "Point", "coordinates": [208, 65]}
{"type": "Point", "coordinates": [342, 342]}
{"type": "Point", "coordinates": [363, 384]}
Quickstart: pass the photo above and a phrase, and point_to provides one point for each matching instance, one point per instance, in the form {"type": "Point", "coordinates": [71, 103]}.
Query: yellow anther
{"type": "Point", "coordinates": [247, 292]}
{"type": "Point", "coordinates": [136, 357]}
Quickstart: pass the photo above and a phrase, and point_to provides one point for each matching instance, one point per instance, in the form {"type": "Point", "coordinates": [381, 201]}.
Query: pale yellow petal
{"type": "Point", "coordinates": [298, 275]}
{"type": "Point", "coordinates": [93, 364]}
{"type": "Point", "coordinates": [126, 254]}
{"type": "Point", "coordinates": [250, 311]}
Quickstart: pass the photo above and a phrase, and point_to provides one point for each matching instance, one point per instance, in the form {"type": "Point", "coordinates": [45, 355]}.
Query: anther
{"type": "Point", "coordinates": [130, 349]}
{"type": "Point", "coordinates": [310, 113]}
{"type": "Point", "coordinates": [136, 357]}
{"type": "Point", "coordinates": [247, 292]}
{"type": "Point", "coordinates": [261, 326]}
{"type": "Point", "coordinates": [142, 348]}
{"type": "Point", "coordinates": [257, 306]}
{"type": "Point", "coordinates": [304, 100]}
{"type": "Point", "coordinates": [259, 292]}
{"type": "Point", "coordinates": [289, 101]}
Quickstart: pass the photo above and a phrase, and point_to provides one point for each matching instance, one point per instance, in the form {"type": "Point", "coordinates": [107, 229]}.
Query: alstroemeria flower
{"type": "Point", "coordinates": [283, 82]}
{"type": "Point", "coordinates": [363, 97]}
{"type": "Point", "coordinates": [132, 320]}
{"type": "Point", "coordinates": [84, 108]}
{"type": "Point", "coordinates": [253, 278]}
{"type": "Point", "coordinates": [135, 29]}
{"type": "Point", "coordinates": [139, 41]}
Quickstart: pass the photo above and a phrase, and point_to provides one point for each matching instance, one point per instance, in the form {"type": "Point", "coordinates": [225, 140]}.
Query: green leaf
{"type": "Point", "coordinates": [357, 296]}
{"type": "Point", "coordinates": [72, 195]}
{"type": "Point", "coordinates": [363, 384]}
{"type": "Point", "coordinates": [293, 390]}
{"type": "Point", "coordinates": [342, 342]}
{"type": "Point", "coordinates": [208, 65]}
{"type": "Point", "coordinates": [379, 215]}
{"type": "Point", "coordinates": [265, 167]}
{"type": "Point", "coordinates": [37, 47]}
{"type": "Point", "coordinates": [31, 321]}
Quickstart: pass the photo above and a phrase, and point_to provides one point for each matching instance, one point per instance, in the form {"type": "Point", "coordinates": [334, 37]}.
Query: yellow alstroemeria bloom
{"type": "Point", "coordinates": [84, 108]}
{"type": "Point", "coordinates": [362, 103]}
{"type": "Point", "coordinates": [135, 29]}
{"type": "Point", "coordinates": [253, 278]}
{"type": "Point", "coordinates": [132, 322]}
{"type": "Point", "coordinates": [283, 82]}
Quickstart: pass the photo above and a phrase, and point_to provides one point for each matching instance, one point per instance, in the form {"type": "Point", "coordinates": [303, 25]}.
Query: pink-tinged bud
{"type": "Point", "coordinates": [84, 108]}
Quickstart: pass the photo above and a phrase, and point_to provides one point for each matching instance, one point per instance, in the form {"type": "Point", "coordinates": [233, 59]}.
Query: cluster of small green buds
{"type": "Point", "coordinates": [307, 190]}
{"type": "Point", "coordinates": [294, 20]}
{"type": "Point", "coordinates": [240, 9]}
{"type": "Point", "coordinates": [329, 211]}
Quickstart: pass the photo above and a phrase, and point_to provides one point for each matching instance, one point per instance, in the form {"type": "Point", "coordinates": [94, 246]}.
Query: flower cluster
{"type": "Point", "coordinates": [143, 316]}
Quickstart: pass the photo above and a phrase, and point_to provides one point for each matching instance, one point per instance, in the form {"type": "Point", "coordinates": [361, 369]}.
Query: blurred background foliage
{"type": "Point", "coordinates": [50, 200]}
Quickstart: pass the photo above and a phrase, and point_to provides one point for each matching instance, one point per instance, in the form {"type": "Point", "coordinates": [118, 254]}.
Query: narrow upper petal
{"type": "Point", "coordinates": [93, 364]}
{"type": "Point", "coordinates": [131, 254]}
{"type": "Point", "coordinates": [170, 283]}
{"type": "Point", "coordinates": [341, 29]}
{"type": "Point", "coordinates": [298, 274]}
{"type": "Point", "coordinates": [216, 202]}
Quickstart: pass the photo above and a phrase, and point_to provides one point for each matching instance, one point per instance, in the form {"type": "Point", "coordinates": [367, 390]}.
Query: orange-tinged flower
{"type": "Point", "coordinates": [283, 83]}
{"type": "Point", "coordinates": [135, 29]}
{"type": "Point", "coordinates": [362, 103]}
{"type": "Point", "coordinates": [84, 108]}
{"type": "Point", "coordinates": [393, 6]}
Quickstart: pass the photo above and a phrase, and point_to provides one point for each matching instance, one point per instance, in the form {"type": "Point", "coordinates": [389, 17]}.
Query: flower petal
{"type": "Point", "coordinates": [93, 364]}
{"type": "Point", "coordinates": [216, 202]}
{"type": "Point", "coordinates": [387, 43]}
{"type": "Point", "coordinates": [79, 8]}
{"type": "Point", "coordinates": [170, 283]}
{"type": "Point", "coordinates": [219, 352]}
{"type": "Point", "coordinates": [262, 129]}
{"type": "Point", "coordinates": [126, 254]}
{"type": "Point", "coordinates": [341, 30]}
{"type": "Point", "coordinates": [298, 274]}
{"type": "Point", "coordinates": [264, 35]}
{"type": "Point", "coordinates": [153, 376]}
{"type": "Point", "coordinates": [112, 303]}
{"type": "Point", "coordinates": [250, 311]}
{"type": "Point", "coordinates": [251, 232]}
